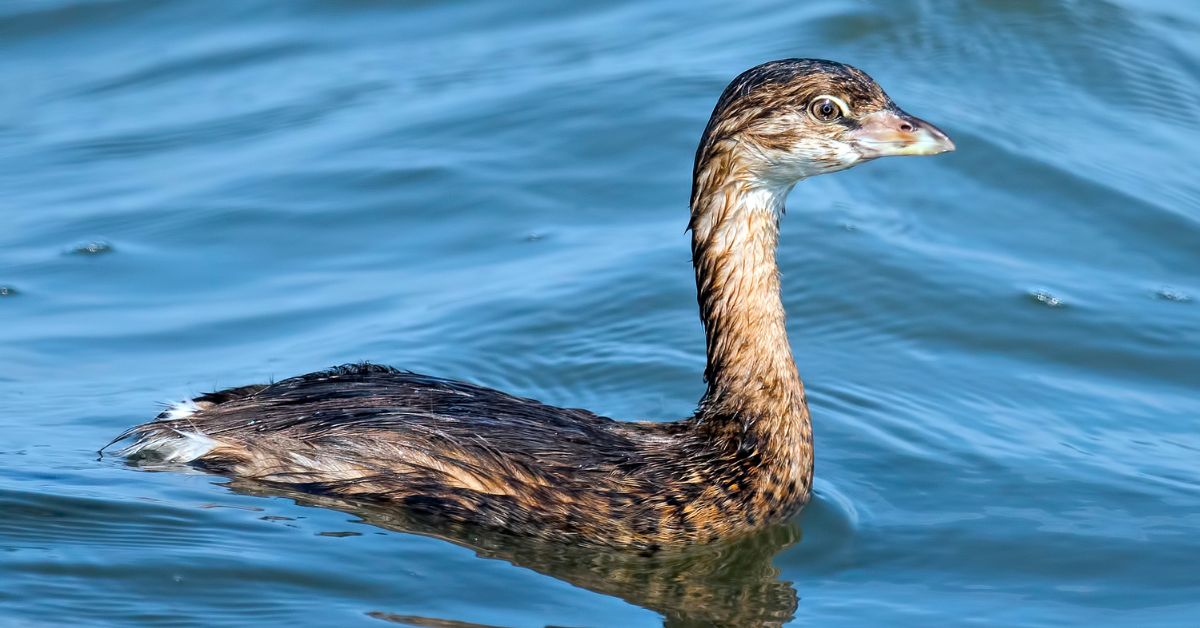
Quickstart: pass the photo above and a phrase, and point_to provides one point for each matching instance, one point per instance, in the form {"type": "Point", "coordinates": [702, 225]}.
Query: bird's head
{"type": "Point", "coordinates": [786, 120]}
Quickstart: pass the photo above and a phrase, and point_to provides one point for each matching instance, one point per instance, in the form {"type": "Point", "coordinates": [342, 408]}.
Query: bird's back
{"type": "Point", "coordinates": [459, 451]}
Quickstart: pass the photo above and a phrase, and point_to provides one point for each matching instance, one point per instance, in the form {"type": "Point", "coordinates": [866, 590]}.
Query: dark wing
{"type": "Point", "coordinates": [374, 399]}
{"type": "Point", "coordinates": [384, 429]}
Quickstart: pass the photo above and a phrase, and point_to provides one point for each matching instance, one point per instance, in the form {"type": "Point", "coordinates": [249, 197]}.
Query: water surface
{"type": "Point", "coordinates": [1002, 345]}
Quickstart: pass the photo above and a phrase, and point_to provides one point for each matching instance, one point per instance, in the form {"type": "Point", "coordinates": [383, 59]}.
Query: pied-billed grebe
{"type": "Point", "coordinates": [463, 453]}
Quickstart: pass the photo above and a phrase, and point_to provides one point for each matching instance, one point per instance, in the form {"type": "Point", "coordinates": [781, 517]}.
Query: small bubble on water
{"type": "Point", "coordinates": [1167, 294]}
{"type": "Point", "coordinates": [1045, 298]}
{"type": "Point", "coordinates": [7, 291]}
{"type": "Point", "coordinates": [534, 236]}
{"type": "Point", "coordinates": [93, 247]}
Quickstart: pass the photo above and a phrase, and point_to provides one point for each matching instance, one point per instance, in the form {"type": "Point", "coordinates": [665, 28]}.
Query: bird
{"type": "Point", "coordinates": [463, 454]}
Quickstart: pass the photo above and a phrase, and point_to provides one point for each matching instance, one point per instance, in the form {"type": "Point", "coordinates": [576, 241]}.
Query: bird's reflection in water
{"type": "Point", "coordinates": [725, 584]}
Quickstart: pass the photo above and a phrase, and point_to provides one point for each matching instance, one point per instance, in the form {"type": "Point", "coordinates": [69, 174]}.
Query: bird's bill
{"type": "Point", "coordinates": [892, 132]}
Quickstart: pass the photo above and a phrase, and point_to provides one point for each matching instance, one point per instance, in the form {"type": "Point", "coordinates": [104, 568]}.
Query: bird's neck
{"type": "Point", "coordinates": [753, 386]}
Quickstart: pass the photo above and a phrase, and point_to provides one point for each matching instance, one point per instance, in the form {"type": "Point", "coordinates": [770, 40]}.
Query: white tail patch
{"type": "Point", "coordinates": [170, 444]}
{"type": "Point", "coordinates": [180, 410]}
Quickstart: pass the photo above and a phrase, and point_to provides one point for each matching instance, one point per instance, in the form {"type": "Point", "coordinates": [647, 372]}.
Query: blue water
{"type": "Point", "coordinates": [1001, 345]}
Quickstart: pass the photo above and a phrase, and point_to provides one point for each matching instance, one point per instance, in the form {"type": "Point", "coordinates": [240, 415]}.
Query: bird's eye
{"type": "Point", "coordinates": [825, 109]}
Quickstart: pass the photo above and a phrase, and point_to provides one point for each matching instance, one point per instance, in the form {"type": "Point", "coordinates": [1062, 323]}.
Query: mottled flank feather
{"type": "Point", "coordinates": [475, 455]}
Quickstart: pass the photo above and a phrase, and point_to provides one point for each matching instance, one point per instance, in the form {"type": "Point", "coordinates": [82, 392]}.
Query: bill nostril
{"type": "Point", "coordinates": [906, 127]}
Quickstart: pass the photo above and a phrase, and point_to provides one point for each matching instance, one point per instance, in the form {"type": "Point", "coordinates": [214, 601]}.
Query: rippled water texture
{"type": "Point", "coordinates": [1002, 345]}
